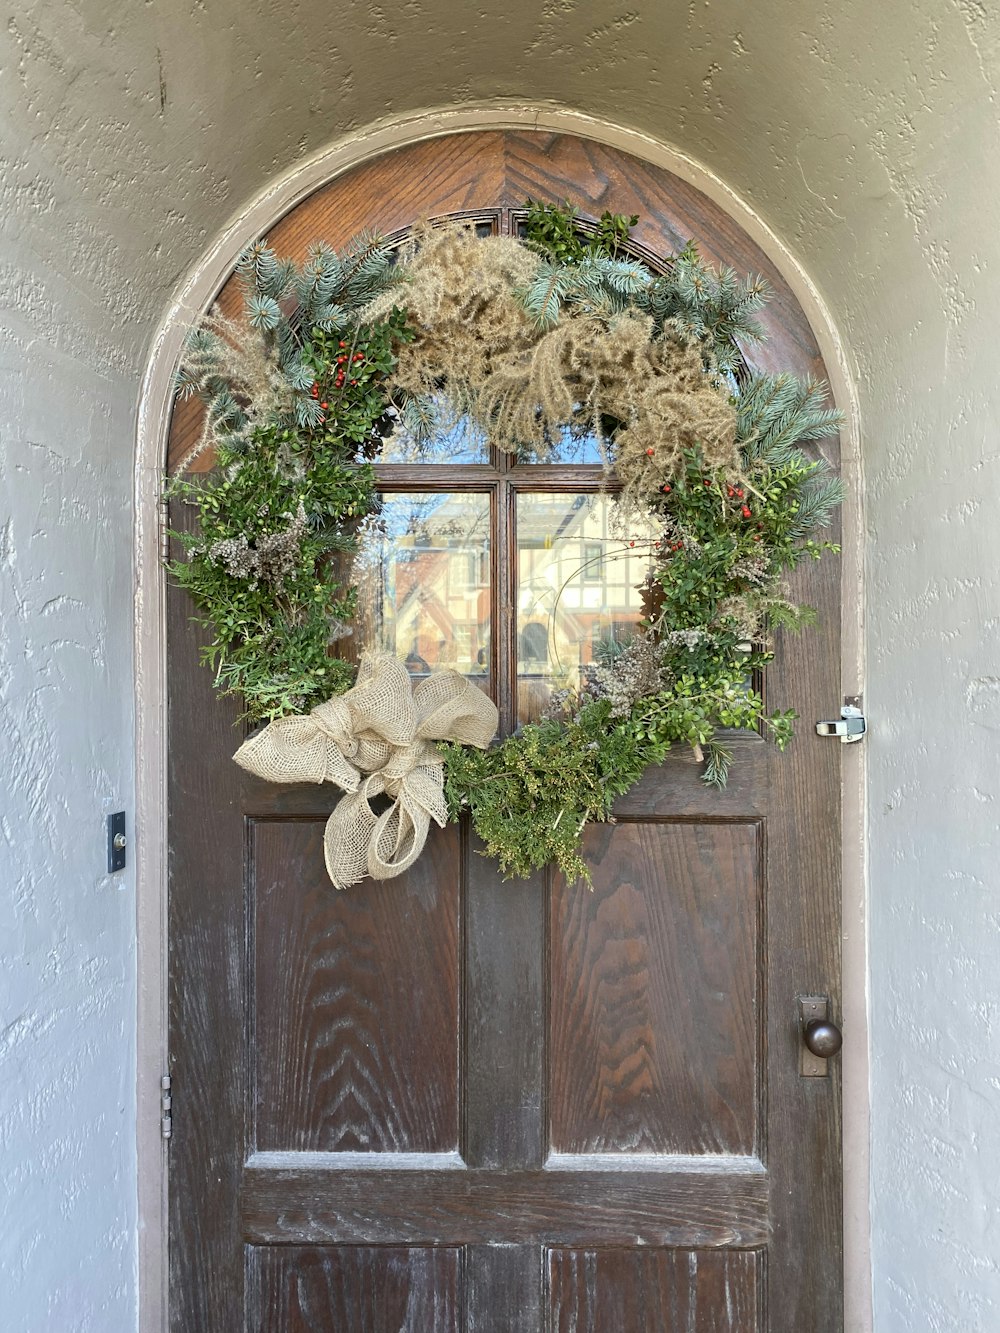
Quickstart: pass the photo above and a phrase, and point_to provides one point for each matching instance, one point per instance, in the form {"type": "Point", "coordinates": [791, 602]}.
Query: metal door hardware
{"type": "Point", "coordinates": [821, 1038]}
{"type": "Point", "coordinates": [850, 726]}
{"type": "Point", "coordinates": [117, 842]}
{"type": "Point", "coordinates": [166, 1108]}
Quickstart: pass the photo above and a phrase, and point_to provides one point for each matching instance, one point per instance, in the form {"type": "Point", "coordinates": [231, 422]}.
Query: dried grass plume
{"type": "Point", "coordinates": [522, 384]}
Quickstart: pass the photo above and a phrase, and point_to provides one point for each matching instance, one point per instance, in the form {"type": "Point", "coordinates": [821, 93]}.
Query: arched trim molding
{"type": "Point", "coordinates": [193, 295]}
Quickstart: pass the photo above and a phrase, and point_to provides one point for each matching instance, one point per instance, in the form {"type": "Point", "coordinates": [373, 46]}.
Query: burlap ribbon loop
{"type": "Point", "coordinates": [376, 740]}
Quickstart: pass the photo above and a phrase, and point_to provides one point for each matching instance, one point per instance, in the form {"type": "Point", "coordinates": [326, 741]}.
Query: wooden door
{"type": "Point", "coordinates": [448, 1103]}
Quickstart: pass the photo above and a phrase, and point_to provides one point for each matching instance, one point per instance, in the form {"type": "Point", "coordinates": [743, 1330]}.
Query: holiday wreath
{"type": "Point", "coordinates": [560, 330]}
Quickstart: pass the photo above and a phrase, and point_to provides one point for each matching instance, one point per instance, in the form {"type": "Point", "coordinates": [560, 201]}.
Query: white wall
{"type": "Point", "coordinates": [867, 136]}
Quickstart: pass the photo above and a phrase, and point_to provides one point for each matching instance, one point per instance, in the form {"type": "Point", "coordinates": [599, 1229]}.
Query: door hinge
{"type": "Point", "coordinates": [163, 528]}
{"type": "Point", "coordinates": [849, 727]}
{"type": "Point", "coordinates": [166, 1108]}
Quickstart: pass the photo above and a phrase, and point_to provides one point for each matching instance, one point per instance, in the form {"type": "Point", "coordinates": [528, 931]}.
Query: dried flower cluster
{"type": "Point", "coordinates": [523, 378]}
{"type": "Point", "coordinates": [635, 671]}
{"type": "Point", "coordinates": [272, 557]}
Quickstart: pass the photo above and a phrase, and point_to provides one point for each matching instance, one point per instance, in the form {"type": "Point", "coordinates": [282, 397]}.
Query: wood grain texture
{"type": "Point", "coordinates": [658, 1291]}
{"type": "Point", "coordinates": [310, 1204]}
{"type": "Point", "coordinates": [206, 986]}
{"type": "Point", "coordinates": [654, 980]}
{"type": "Point", "coordinates": [504, 1050]}
{"type": "Point", "coordinates": [354, 1290]}
{"type": "Point", "coordinates": [503, 1289]}
{"type": "Point", "coordinates": [598, 1022]}
{"type": "Point", "coordinates": [803, 952]}
{"type": "Point", "coordinates": [352, 1049]}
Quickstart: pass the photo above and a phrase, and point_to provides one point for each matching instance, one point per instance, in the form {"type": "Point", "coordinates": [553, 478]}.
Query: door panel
{"type": "Point", "coordinates": [445, 1104]}
{"type": "Point", "coordinates": [653, 1044]}
{"type": "Point", "coordinates": [360, 1290]}
{"type": "Point", "coordinates": [352, 1052]}
{"type": "Point", "coordinates": [591, 1291]}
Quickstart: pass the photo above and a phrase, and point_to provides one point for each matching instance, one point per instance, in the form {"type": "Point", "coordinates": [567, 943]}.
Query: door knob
{"type": "Point", "coordinates": [818, 1036]}
{"type": "Point", "coordinates": [823, 1038]}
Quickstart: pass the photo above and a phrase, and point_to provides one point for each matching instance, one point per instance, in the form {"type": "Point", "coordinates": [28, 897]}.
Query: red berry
{"type": "Point", "coordinates": [650, 453]}
{"type": "Point", "coordinates": [341, 344]}
{"type": "Point", "coordinates": [631, 543]}
{"type": "Point", "coordinates": [730, 491]}
{"type": "Point", "coordinates": [739, 492]}
{"type": "Point", "coordinates": [324, 406]}
{"type": "Point", "coordinates": [341, 360]}
{"type": "Point", "coordinates": [354, 381]}
{"type": "Point", "coordinates": [358, 356]}
{"type": "Point", "coordinates": [665, 488]}
{"type": "Point", "coordinates": [746, 511]}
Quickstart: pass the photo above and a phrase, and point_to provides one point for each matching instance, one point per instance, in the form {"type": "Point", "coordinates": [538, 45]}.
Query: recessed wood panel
{"type": "Point", "coordinates": [654, 1291]}
{"type": "Point", "coordinates": [653, 1031]}
{"type": "Point", "coordinates": [356, 1290]}
{"type": "Point", "coordinates": [355, 998]}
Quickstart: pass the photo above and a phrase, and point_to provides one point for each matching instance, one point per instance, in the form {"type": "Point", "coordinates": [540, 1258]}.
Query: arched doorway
{"type": "Point", "coordinates": [447, 1102]}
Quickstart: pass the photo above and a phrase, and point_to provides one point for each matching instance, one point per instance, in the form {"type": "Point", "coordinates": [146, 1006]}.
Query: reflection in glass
{"type": "Point", "coordinates": [423, 578]}
{"type": "Point", "coordinates": [570, 445]}
{"type": "Point", "coordinates": [578, 588]}
{"type": "Point", "coordinates": [462, 442]}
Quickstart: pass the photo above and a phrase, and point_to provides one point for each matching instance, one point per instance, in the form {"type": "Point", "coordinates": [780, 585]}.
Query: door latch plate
{"type": "Point", "coordinates": [811, 1009]}
{"type": "Point", "coordinates": [849, 727]}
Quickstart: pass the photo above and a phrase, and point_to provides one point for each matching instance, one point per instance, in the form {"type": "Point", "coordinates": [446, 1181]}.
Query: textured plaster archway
{"type": "Point", "coordinates": [868, 140]}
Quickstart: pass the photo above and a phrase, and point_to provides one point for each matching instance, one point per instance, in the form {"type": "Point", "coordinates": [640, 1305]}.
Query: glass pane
{"type": "Point", "coordinates": [423, 577]}
{"type": "Point", "coordinates": [578, 588]}
{"type": "Point", "coordinates": [569, 446]}
{"type": "Point", "coordinates": [462, 442]}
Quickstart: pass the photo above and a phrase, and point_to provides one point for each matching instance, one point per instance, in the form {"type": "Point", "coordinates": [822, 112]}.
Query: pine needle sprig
{"type": "Point", "coordinates": [776, 412]}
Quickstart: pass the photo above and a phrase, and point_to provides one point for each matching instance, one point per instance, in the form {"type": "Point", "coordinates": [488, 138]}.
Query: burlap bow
{"type": "Point", "coordinates": [377, 739]}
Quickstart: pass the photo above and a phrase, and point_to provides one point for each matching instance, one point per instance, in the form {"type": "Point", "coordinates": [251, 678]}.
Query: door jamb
{"type": "Point", "coordinates": [192, 297]}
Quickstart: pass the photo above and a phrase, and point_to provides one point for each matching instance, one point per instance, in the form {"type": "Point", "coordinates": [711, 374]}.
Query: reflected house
{"type": "Point", "coordinates": [425, 572]}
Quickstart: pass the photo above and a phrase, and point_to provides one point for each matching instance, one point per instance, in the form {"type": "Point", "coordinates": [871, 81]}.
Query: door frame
{"type": "Point", "coordinates": [191, 297]}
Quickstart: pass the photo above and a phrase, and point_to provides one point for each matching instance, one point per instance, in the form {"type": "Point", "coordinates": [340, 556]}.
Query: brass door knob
{"type": "Point", "coordinates": [823, 1038]}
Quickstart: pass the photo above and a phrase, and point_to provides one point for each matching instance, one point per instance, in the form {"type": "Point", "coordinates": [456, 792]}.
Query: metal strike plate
{"type": "Point", "coordinates": [811, 1008]}
{"type": "Point", "coordinates": [117, 842]}
{"type": "Point", "coordinates": [849, 727]}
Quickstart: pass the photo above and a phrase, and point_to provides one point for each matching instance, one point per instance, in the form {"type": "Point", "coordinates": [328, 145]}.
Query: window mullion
{"type": "Point", "coordinates": [505, 593]}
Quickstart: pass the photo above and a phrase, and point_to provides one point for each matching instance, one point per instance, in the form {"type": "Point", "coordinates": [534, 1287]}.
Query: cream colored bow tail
{"type": "Point", "coordinates": [375, 740]}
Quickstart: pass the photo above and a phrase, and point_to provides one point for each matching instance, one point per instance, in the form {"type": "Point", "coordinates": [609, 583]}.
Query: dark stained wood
{"type": "Point", "coordinates": [446, 1102]}
{"type": "Point", "coordinates": [504, 1042]}
{"type": "Point", "coordinates": [503, 1289]}
{"type": "Point", "coordinates": [355, 1290]}
{"type": "Point", "coordinates": [654, 1291]}
{"type": "Point", "coordinates": [803, 952]}
{"type": "Point", "coordinates": [206, 987]}
{"type": "Point", "coordinates": [307, 1202]}
{"type": "Point", "coordinates": [351, 1050]}
{"type": "Point", "coordinates": [655, 995]}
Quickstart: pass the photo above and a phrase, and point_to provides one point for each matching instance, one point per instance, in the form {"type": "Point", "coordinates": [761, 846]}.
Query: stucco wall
{"type": "Point", "coordinates": [867, 137]}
